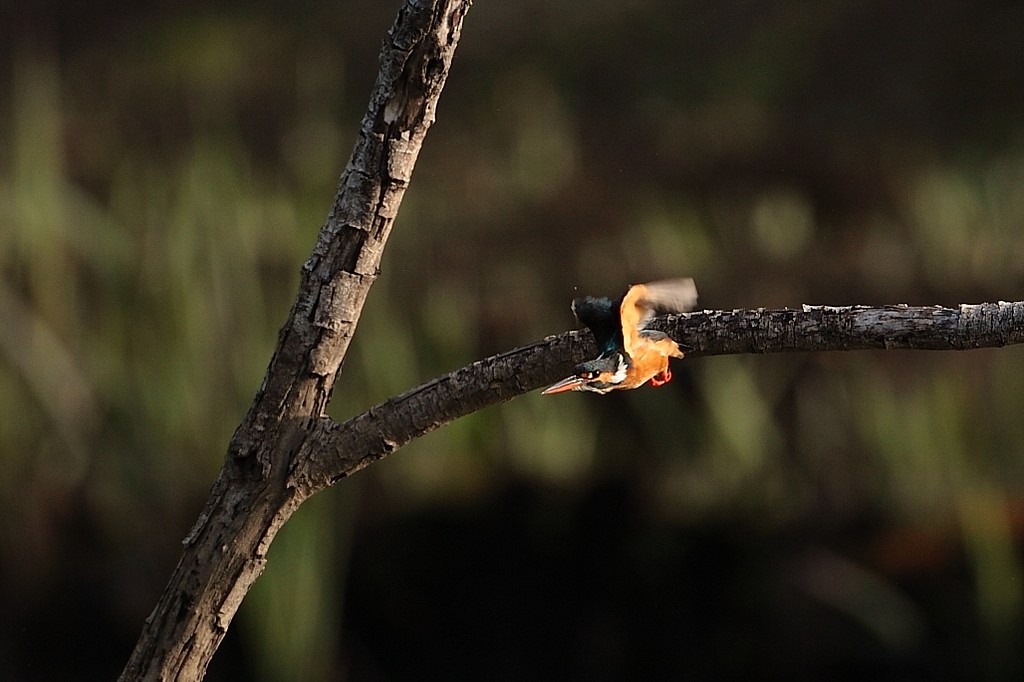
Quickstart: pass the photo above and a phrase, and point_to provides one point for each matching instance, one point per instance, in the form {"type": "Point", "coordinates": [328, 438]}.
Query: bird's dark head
{"type": "Point", "coordinates": [600, 375]}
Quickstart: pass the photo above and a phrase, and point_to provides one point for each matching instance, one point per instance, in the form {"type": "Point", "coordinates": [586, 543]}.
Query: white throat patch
{"type": "Point", "coordinates": [620, 371]}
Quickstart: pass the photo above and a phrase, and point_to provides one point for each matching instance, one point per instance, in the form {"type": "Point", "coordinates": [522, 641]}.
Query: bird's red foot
{"type": "Point", "coordinates": [661, 378]}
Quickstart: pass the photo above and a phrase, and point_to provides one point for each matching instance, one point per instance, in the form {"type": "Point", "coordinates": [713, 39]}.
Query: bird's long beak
{"type": "Point", "coordinates": [564, 385]}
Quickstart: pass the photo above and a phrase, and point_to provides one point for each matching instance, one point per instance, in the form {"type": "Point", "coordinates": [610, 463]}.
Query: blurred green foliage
{"type": "Point", "coordinates": [163, 171]}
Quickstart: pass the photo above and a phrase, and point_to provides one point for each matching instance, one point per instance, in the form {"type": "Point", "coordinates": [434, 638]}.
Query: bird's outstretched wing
{"type": "Point", "coordinates": [601, 316]}
{"type": "Point", "coordinates": [643, 301]}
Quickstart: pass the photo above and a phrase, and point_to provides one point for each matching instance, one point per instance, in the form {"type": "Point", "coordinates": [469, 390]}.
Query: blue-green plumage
{"type": "Point", "coordinates": [601, 316]}
{"type": "Point", "coordinates": [629, 354]}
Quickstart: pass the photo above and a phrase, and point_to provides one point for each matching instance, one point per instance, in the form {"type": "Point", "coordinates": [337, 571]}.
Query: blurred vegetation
{"type": "Point", "coordinates": [164, 169]}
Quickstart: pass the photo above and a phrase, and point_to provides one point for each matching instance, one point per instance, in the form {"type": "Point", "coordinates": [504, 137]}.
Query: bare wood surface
{"type": "Point", "coordinates": [226, 550]}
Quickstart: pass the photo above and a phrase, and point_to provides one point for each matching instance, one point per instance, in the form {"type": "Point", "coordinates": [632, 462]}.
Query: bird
{"type": "Point", "coordinates": [630, 355]}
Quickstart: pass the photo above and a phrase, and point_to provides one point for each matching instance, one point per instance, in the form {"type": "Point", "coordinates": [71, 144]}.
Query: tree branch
{"type": "Point", "coordinates": [342, 449]}
{"type": "Point", "coordinates": [286, 449]}
{"type": "Point", "coordinates": [226, 550]}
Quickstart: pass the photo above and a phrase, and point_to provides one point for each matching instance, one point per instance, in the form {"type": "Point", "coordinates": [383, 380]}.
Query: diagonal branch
{"type": "Point", "coordinates": [285, 449]}
{"type": "Point", "coordinates": [342, 449]}
{"type": "Point", "coordinates": [250, 500]}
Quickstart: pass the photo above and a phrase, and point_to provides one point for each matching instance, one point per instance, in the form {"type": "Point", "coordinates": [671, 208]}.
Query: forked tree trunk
{"type": "Point", "coordinates": [286, 449]}
{"type": "Point", "coordinates": [251, 499]}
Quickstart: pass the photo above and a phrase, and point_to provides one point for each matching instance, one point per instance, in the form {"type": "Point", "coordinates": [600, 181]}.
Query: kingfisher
{"type": "Point", "coordinates": [630, 355]}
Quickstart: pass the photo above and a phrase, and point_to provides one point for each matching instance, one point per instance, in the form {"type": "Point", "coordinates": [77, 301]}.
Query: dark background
{"type": "Point", "coordinates": [164, 168]}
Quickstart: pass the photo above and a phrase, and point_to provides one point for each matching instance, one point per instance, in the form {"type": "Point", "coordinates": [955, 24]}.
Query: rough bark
{"type": "Point", "coordinates": [226, 550]}
{"type": "Point", "coordinates": [286, 449]}
{"type": "Point", "coordinates": [342, 449]}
